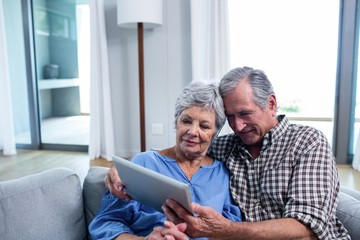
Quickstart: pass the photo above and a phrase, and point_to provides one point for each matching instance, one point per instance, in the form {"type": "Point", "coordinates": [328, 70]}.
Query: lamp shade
{"type": "Point", "coordinates": [131, 12]}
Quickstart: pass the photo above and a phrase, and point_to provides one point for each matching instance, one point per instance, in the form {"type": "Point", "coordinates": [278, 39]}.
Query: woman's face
{"type": "Point", "coordinates": [195, 128]}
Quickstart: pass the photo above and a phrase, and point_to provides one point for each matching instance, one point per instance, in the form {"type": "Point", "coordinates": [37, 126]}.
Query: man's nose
{"type": "Point", "coordinates": [239, 124]}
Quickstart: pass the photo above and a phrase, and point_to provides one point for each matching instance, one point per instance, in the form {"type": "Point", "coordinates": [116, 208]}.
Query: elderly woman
{"type": "Point", "coordinates": [199, 116]}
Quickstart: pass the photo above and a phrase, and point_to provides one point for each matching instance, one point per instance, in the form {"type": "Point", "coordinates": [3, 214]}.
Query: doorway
{"type": "Point", "coordinates": [51, 96]}
{"type": "Point", "coordinates": [62, 65]}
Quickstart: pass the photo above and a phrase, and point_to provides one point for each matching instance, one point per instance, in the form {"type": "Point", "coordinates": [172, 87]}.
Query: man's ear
{"type": "Point", "coordinates": [273, 104]}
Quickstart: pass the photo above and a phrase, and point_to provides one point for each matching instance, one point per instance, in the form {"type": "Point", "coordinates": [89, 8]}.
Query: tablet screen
{"type": "Point", "coordinates": [149, 187]}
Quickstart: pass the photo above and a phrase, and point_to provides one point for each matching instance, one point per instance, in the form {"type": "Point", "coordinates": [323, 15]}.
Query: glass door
{"type": "Point", "coordinates": [49, 72]}
{"type": "Point", "coordinates": [62, 71]}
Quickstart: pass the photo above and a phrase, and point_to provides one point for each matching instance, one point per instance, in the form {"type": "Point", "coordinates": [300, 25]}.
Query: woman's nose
{"type": "Point", "coordinates": [193, 129]}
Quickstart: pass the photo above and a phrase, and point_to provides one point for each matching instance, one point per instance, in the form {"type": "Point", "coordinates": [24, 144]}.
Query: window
{"type": "Point", "coordinates": [312, 60]}
{"type": "Point", "coordinates": [355, 136]}
{"type": "Point", "coordinates": [296, 48]}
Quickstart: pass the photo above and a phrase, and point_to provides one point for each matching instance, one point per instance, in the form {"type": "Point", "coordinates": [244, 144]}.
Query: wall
{"type": "Point", "coordinates": [167, 71]}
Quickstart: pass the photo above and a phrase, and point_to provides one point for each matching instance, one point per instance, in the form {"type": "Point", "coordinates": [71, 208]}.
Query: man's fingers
{"type": "Point", "coordinates": [114, 185]}
{"type": "Point", "coordinates": [200, 210]}
{"type": "Point", "coordinates": [177, 211]}
{"type": "Point", "coordinates": [170, 215]}
{"type": "Point", "coordinates": [181, 227]}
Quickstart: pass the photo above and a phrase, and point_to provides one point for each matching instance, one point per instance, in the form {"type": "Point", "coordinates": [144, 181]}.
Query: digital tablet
{"type": "Point", "coordinates": [149, 187]}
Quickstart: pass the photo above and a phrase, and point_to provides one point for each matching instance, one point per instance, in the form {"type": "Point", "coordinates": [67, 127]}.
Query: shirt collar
{"type": "Point", "coordinates": [275, 133]}
{"type": "Point", "coordinates": [280, 128]}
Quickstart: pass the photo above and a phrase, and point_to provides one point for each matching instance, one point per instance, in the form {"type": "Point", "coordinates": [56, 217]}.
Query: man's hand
{"type": "Point", "coordinates": [114, 184]}
{"type": "Point", "coordinates": [206, 223]}
{"type": "Point", "coordinates": [209, 223]}
{"type": "Point", "coordinates": [169, 231]}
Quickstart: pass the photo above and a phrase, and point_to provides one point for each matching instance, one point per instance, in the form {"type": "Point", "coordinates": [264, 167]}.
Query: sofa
{"type": "Point", "coordinates": [54, 204]}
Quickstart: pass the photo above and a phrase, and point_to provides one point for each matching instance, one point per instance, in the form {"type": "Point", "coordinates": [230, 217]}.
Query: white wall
{"type": "Point", "coordinates": [167, 71]}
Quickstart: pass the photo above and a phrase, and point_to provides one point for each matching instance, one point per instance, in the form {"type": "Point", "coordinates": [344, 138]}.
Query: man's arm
{"type": "Point", "coordinates": [212, 224]}
{"type": "Point", "coordinates": [114, 184]}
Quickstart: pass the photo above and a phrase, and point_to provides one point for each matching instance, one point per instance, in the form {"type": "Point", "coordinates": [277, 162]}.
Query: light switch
{"type": "Point", "coordinates": [157, 129]}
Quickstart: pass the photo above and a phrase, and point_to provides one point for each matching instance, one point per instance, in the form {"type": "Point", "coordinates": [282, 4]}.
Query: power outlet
{"type": "Point", "coordinates": [157, 129]}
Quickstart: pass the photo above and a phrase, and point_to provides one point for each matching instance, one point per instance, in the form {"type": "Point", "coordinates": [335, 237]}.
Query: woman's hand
{"type": "Point", "coordinates": [114, 184]}
{"type": "Point", "coordinates": [169, 231]}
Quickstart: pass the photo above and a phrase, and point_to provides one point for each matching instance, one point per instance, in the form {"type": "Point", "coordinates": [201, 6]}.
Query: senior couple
{"type": "Point", "coordinates": [270, 179]}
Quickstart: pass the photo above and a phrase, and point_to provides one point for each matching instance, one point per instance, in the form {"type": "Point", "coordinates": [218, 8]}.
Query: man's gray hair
{"type": "Point", "coordinates": [259, 82]}
{"type": "Point", "coordinates": [203, 94]}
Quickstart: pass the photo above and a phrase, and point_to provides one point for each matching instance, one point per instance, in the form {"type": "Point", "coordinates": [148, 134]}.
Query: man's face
{"type": "Point", "coordinates": [246, 119]}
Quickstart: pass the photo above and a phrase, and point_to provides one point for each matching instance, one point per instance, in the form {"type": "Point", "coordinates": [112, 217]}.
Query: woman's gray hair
{"type": "Point", "coordinates": [205, 95]}
{"type": "Point", "coordinates": [259, 82]}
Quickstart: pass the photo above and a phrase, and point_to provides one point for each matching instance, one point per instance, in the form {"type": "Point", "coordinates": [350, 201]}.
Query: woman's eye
{"type": "Point", "coordinates": [186, 121]}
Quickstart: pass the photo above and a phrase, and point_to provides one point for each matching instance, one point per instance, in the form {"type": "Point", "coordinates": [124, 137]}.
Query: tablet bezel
{"type": "Point", "coordinates": [149, 187]}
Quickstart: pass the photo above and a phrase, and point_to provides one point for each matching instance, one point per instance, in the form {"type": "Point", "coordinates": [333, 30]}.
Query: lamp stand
{"type": "Point", "coordinates": [140, 30]}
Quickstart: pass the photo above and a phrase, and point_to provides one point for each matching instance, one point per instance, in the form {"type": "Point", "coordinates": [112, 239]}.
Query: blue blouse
{"type": "Point", "coordinates": [209, 186]}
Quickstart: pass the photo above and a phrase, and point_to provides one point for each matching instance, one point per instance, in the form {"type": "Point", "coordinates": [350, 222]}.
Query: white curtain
{"type": "Point", "coordinates": [209, 39]}
{"type": "Point", "coordinates": [101, 120]}
{"type": "Point", "coordinates": [7, 138]}
{"type": "Point", "coordinates": [210, 42]}
{"type": "Point", "coordinates": [356, 160]}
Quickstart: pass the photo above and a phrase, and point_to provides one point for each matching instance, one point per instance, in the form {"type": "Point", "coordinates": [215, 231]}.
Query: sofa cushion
{"type": "Point", "coordinates": [350, 191]}
{"type": "Point", "coordinates": [46, 205]}
{"type": "Point", "coordinates": [348, 212]}
{"type": "Point", "coordinates": [93, 190]}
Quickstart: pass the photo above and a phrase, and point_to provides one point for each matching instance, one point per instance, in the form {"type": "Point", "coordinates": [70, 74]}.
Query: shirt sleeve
{"type": "Point", "coordinates": [314, 186]}
{"type": "Point", "coordinates": [231, 211]}
{"type": "Point", "coordinates": [222, 146]}
{"type": "Point", "coordinates": [116, 216]}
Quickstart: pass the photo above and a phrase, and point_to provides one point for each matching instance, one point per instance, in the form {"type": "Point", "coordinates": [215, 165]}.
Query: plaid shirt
{"type": "Point", "coordinates": [295, 176]}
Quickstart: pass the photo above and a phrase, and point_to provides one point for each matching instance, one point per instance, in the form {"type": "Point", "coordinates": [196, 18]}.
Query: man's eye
{"type": "Point", "coordinates": [244, 113]}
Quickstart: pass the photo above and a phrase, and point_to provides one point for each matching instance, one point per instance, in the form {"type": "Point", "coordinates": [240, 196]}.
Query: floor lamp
{"type": "Point", "coordinates": [140, 14]}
